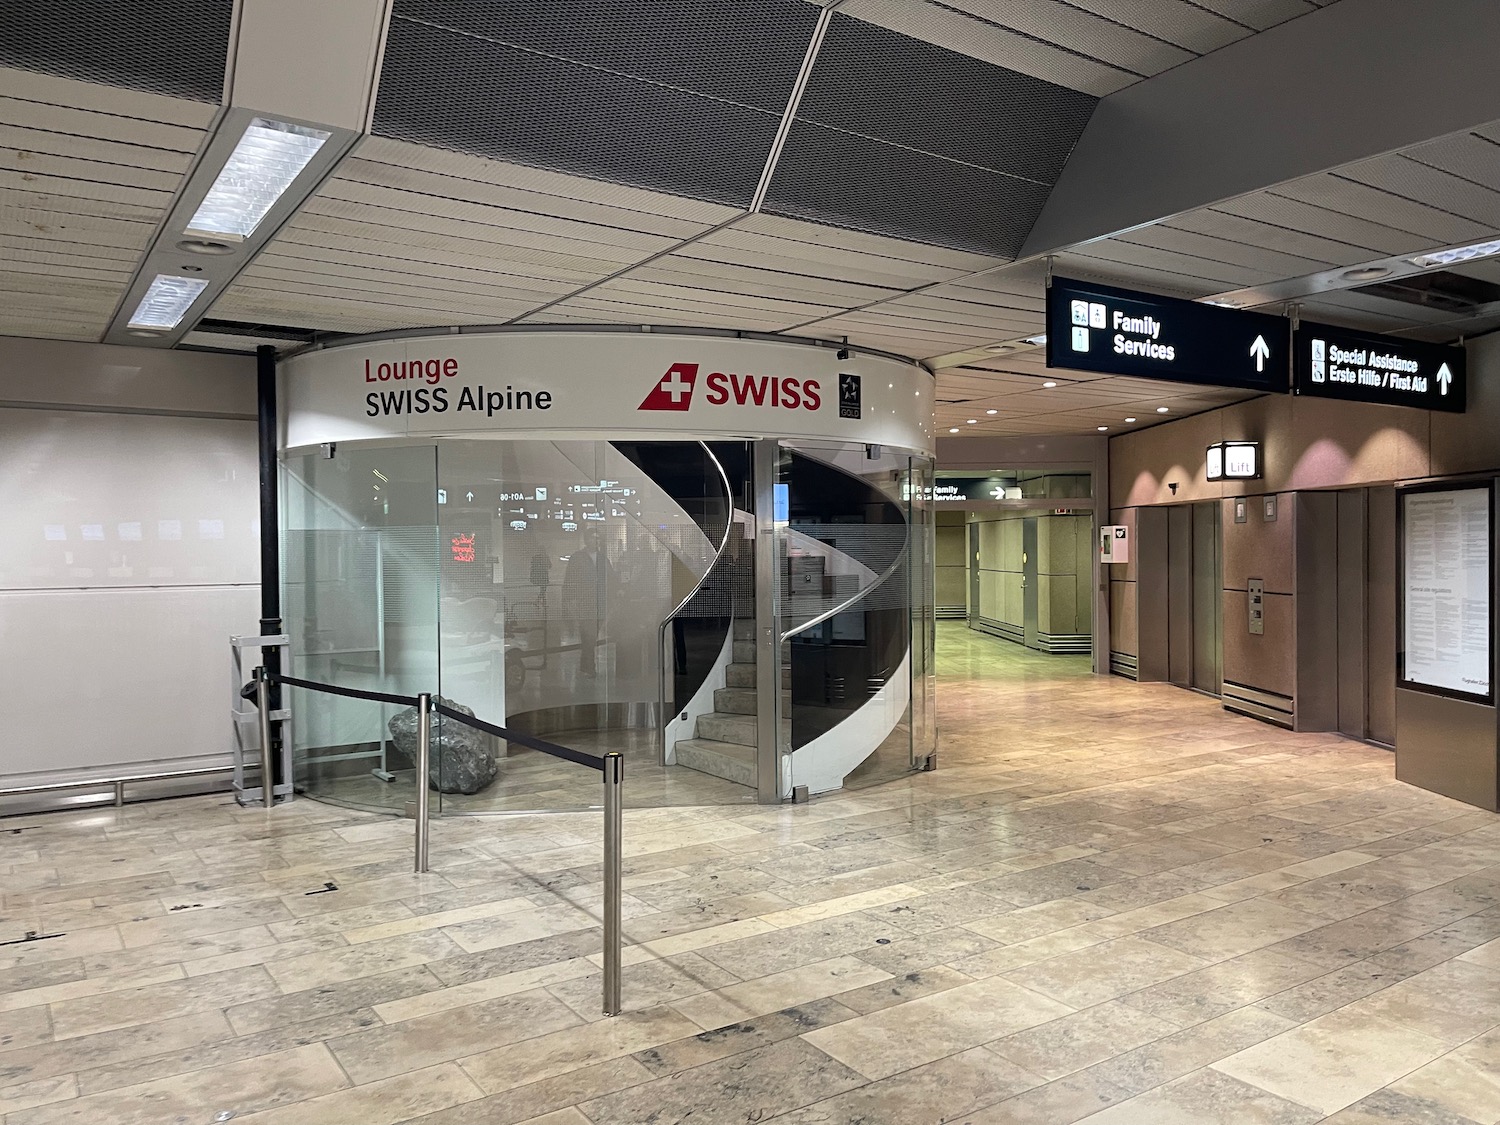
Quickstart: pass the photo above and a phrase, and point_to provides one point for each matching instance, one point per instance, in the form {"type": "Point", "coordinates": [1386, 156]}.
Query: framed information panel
{"type": "Point", "coordinates": [1447, 590]}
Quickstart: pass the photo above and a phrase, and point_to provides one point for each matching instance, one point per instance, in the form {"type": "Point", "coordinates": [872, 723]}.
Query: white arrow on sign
{"type": "Point", "coordinates": [1444, 377]}
{"type": "Point", "coordinates": [998, 493]}
{"type": "Point", "coordinates": [469, 496]}
{"type": "Point", "coordinates": [1261, 351]}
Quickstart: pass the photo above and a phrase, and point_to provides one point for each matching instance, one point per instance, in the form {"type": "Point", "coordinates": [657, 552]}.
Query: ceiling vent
{"type": "Point", "coordinates": [1444, 291]}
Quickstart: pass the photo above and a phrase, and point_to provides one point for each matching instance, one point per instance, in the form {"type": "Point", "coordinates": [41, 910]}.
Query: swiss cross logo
{"type": "Point", "coordinates": [675, 391]}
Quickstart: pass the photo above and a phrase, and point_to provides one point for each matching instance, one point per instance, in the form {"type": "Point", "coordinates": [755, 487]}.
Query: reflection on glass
{"type": "Point", "coordinates": [600, 595]}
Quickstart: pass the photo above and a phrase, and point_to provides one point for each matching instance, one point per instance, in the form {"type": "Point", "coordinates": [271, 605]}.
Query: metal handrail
{"type": "Point", "coordinates": [661, 630]}
{"type": "Point", "coordinates": [611, 765]}
{"type": "Point", "coordinates": [866, 592]}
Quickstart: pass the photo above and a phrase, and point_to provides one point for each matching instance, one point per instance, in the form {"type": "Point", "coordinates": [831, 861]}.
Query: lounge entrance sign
{"type": "Point", "coordinates": [1362, 367]}
{"type": "Point", "coordinates": [1123, 332]}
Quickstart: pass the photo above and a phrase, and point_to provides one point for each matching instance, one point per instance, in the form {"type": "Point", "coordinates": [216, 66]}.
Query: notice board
{"type": "Point", "coordinates": [1447, 590]}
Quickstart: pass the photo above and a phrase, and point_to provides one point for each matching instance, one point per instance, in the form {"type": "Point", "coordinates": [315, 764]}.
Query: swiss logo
{"type": "Point", "coordinates": [674, 391]}
{"type": "Point", "coordinates": [849, 393]}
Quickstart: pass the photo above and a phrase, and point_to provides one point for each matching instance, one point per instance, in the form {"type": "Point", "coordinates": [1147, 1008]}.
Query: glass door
{"type": "Point", "coordinates": [843, 591]}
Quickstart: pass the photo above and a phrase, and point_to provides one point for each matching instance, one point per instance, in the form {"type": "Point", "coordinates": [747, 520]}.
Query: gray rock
{"type": "Point", "coordinates": [463, 759]}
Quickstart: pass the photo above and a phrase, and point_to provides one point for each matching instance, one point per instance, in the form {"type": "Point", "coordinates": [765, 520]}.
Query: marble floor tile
{"type": "Point", "coordinates": [42, 1091]}
{"type": "Point", "coordinates": [739, 1002]}
{"type": "Point", "coordinates": [948, 1089]}
{"type": "Point", "coordinates": [1206, 1097]}
{"type": "Point", "coordinates": [1231, 930]}
{"type": "Point", "coordinates": [732, 1039]}
{"type": "Point", "coordinates": [286, 1078]}
{"type": "Point", "coordinates": [1075, 1042]}
{"type": "Point", "coordinates": [901, 988]}
{"type": "Point", "coordinates": [558, 1052]}
{"type": "Point", "coordinates": [1185, 1051]}
{"type": "Point", "coordinates": [1315, 1066]}
{"type": "Point", "coordinates": [1465, 1081]}
{"type": "Point", "coordinates": [391, 1101]}
{"type": "Point", "coordinates": [381, 1052]}
{"type": "Point", "coordinates": [1111, 895]}
{"type": "Point", "coordinates": [547, 1101]}
{"type": "Point", "coordinates": [280, 1010]}
{"type": "Point", "coordinates": [149, 1004]}
{"type": "Point", "coordinates": [755, 1086]}
{"type": "Point", "coordinates": [1057, 1103]}
{"type": "Point", "coordinates": [1452, 1002]}
{"type": "Point", "coordinates": [349, 962]}
{"type": "Point", "coordinates": [1104, 971]}
{"type": "Point", "coordinates": [895, 1039]}
{"type": "Point", "coordinates": [1390, 1105]}
{"type": "Point", "coordinates": [24, 1027]}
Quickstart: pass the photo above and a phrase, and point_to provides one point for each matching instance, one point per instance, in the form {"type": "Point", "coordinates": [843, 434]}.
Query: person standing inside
{"type": "Point", "coordinates": [585, 590]}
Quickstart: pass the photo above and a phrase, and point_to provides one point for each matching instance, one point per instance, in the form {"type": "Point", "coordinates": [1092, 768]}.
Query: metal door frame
{"type": "Point", "coordinates": [769, 760]}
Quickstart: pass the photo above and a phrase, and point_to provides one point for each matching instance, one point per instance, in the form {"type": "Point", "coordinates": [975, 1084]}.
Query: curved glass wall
{"type": "Point", "coordinates": [603, 595]}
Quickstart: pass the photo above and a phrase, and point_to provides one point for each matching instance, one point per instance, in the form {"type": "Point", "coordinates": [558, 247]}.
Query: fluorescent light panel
{"type": "Point", "coordinates": [167, 301]}
{"type": "Point", "coordinates": [1458, 254]}
{"type": "Point", "coordinates": [265, 162]}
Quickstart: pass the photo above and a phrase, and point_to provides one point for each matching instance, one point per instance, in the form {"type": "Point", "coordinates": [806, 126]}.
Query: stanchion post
{"type": "Point", "coordinates": [424, 758]}
{"type": "Point", "coordinates": [267, 769]}
{"type": "Point", "coordinates": [614, 778]}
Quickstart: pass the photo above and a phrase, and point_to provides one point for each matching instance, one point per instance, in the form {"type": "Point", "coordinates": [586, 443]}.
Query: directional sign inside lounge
{"type": "Point", "coordinates": [1363, 367]}
{"type": "Point", "coordinates": [1122, 332]}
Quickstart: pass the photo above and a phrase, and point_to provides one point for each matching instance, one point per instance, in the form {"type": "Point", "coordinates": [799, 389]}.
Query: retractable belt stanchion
{"type": "Point", "coordinates": [267, 767]}
{"type": "Point", "coordinates": [424, 758]}
{"type": "Point", "coordinates": [614, 777]}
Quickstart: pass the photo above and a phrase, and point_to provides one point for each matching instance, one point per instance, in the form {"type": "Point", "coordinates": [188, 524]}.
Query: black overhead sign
{"type": "Point", "coordinates": [1362, 367]}
{"type": "Point", "coordinates": [1122, 332]}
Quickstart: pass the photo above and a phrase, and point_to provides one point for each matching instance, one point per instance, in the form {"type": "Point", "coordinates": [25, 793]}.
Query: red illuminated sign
{"type": "Point", "coordinates": [463, 548]}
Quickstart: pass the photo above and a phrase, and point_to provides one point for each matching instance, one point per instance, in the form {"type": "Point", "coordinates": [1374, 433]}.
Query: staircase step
{"type": "Point", "coordinates": [726, 760]}
{"type": "Point", "coordinates": [744, 628]}
{"type": "Point", "coordinates": [744, 652]}
{"type": "Point", "coordinates": [727, 728]}
{"type": "Point", "coordinates": [735, 701]}
{"type": "Point", "coordinates": [739, 675]}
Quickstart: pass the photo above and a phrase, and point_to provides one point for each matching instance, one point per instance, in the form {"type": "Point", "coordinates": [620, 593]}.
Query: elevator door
{"type": "Point", "coordinates": [1194, 627]}
{"type": "Point", "coordinates": [1208, 639]}
{"type": "Point", "coordinates": [1029, 583]}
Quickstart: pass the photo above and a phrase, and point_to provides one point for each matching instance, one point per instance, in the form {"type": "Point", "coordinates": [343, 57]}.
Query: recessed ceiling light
{"type": "Point", "coordinates": [1130, 419]}
{"type": "Point", "coordinates": [1049, 384]}
{"type": "Point", "coordinates": [191, 269]}
{"type": "Point", "coordinates": [1161, 409]}
{"type": "Point", "coordinates": [269, 156]}
{"type": "Point", "coordinates": [1037, 341]}
{"type": "Point", "coordinates": [953, 430]}
{"type": "Point", "coordinates": [992, 411]}
{"type": "Point", "coordinates": [1103, 428]}
{"type": "Point", "coordinates": [971, 421]}
{"type": "Point", "coordinates": [166, 302]}
{"type": "Point", "coordinates": [1457, 254]}
{"type": "Point", "coordinates": [1001, 349]}
{"type": "Point", "coordinates": [1367, 273]}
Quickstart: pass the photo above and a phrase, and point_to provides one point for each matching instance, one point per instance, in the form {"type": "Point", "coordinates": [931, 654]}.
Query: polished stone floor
{"type": "Point", "coordinates": [1112, 903]}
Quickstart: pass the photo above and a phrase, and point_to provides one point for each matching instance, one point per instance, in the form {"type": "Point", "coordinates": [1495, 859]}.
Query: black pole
{"type": "Point", "coordinates": [270, 532]}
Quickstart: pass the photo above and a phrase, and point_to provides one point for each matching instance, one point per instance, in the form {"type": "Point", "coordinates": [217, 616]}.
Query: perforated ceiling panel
{"type": "Point", "coordinates": [901, 137]}
{"type": "Point", "coordinates": [161, 46]}
{"type": "Point", "coordinates": [683, 97]}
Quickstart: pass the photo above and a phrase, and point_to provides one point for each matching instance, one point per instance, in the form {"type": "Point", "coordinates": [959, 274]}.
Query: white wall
{"type": "Point", "coordinates": [128, 555]}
